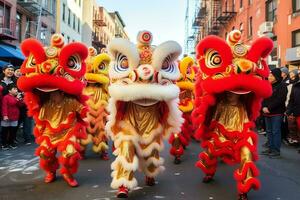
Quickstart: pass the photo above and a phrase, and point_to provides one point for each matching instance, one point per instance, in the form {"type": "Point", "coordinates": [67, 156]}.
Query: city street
{"type": "Point", "coordinates": [21, 178]}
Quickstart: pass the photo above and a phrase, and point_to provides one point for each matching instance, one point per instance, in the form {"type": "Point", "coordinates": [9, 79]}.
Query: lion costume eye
{"type": "Point", "coordinates": [74, 63]}
{"type": "Point", "coordinates": [168, 65]}
{"type": "Point", "coordinates": [121, 63]}
{"type": "Point", "coordinates": [102, 66]}
{"type": "Point", "coordinates": [213, 59]}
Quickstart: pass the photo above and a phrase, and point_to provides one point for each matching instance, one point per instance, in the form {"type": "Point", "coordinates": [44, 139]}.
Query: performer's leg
{"type": "Point", "coordinates": [48, 161]}
{"type": "Point", "coordinates": [208, 161]}
{"type": "Point", "coordinates": [247, 173]}
{"type": "Point", "coordinates": [177, 148]}
{"type": "Point", "coordinates": [152, 165]}
{"type": "Point", "coordinates": [100, 144]}
{"type": "Point", "coordinates": [125, 164]}
{"type": "Point", "coordinates": [69, 159]}
{"type": "Point", "coordinates": [84, 143]}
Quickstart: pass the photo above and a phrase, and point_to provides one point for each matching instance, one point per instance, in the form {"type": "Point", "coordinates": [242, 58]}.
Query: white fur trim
{"type": "Point", "coordinates": [161, 52]}
{"type": "Point", "coordinates": [135, 91]}
{"type": "Point", "coordinates": [155, 172]}
{"type": "Point", "coordinates": [175, 119]}
{"type": "Point", "coordinates": [148, 150]}
{"type": "Point", "coordinates": [128, 49]}
{"type": "Point", "coordinates": [116, 183]}
{"type": "Point", "coordinates": [125, 164]}
{"type": "Point", "coordinates": [156, 162]}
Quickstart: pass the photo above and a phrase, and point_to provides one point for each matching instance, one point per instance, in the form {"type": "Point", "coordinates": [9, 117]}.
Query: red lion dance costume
{"type": "Point", "coordinates": [179, 141]}
{"type": "Point", "coordinates": [143, 107]}
{"type": "Point", "coordinates": [97, 90]}
{"type": "Point", "coordinates": [53, 82]}
{"type": "Point", "coordinates": [229, 90]}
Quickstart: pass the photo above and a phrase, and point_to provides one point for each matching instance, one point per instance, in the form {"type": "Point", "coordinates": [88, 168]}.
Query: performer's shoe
{"type": "Point", "coordinates": [207, 179]}
{"type": "Point", "coordinates": [177, 160]}
{"type": "Point", "coordinates": [70, 180]}
{"type": "Point", "coordinates": [123, 192]}
{"type": "Point", "coordinates": [50, 177]}
{"type": "Point", "coordinates": [150, 181]}
{"type": "Point", "coordinates": [104, 156]}
{"type": "Point", "coordinates": [243, 196]}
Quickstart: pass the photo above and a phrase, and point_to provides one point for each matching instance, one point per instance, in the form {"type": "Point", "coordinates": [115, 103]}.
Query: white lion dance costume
{"type": "Point", "coordinates": [143, 107]}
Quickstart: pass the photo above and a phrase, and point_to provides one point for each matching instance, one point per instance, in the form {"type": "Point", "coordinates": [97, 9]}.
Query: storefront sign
{"type": "Point", "coordinates": [292, 54]}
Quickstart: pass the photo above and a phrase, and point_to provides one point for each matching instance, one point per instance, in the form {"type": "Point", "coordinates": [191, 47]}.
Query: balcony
{"type": "Point", "coordinates": [99, 22]}
{"type": "Point", "coordinates": [200, 16]}
{"type": "Point", "coordinates": [225, 17]}
{"type": "Point", "coordinates": [7, 31]}
{"type": "Point", "coordinates": [97, 43]}
{"type": "Point", "coordinates": [35, 7]}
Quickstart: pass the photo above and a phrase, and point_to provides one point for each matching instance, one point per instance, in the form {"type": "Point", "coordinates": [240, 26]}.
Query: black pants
{"type": "Point", "coordinates": [8, 135]}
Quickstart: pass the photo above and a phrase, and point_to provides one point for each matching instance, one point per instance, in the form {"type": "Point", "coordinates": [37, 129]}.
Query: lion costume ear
{"type": "Point", "coordinates": [34, 47]}
{"type": "Point", "coordinates": [218, 45]}
{"type": "Point", "coordinates": [261, 48]}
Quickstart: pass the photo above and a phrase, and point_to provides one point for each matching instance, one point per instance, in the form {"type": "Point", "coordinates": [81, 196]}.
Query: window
{"type": "Point", "coordinates": [296, 6]}
{"type": "Point", "coordinates": [79, 2]}
{"type": "Point", "coordinates": [74, 21]}
{"type": "Point", "coordinates": [250, 28]}
{"type": "Point", "coordinates": [68, 39]}
{"type": "Point", "coordinates": [271, 9]}
{"type": "Point", "coordinates": [4, 16]}
{"type": "Point", "coordinates": [18, 26]}
{"type": "Point", "coordinates": [64, 12]}
{"type": "Point", "coordinates": [241, 27]}
{"type": "Point", "coordinates": [69, 16]}
{"type": "Point", "coordinates": [241, 3]}
{"type": "Point", "coordinates": [78, 25]}
{"type": "Point", "coordinates": [296, 38]}
{"type": "Point", "coordinates": [274, 55]}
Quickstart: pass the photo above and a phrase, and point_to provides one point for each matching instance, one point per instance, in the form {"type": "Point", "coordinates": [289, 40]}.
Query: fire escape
{"type": "Point", "coordinates": [228, 13]}
{"type": "Point", "coordinates": [35, 28]}
{"type": "Point", "coordinates": [213, 23]}
{"type": "Point", "coordinates": [98, 24]}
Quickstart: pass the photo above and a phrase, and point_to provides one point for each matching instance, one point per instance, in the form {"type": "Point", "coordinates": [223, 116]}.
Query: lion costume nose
{"type": "Point", "coordinates": [145, 72]}
{"type": "Point", "coordinates": [243, 66]}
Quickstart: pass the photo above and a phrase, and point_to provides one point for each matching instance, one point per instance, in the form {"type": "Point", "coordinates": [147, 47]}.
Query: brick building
{"type": "Point", "coordinates": [279, 20]}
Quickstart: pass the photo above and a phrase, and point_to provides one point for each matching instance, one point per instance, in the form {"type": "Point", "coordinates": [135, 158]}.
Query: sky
{"type": "Point", "coordinates": [164, 18]}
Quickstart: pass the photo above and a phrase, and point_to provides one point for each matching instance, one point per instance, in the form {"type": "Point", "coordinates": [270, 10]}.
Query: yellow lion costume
{"type": "Point", "coordinates": [97, 91]}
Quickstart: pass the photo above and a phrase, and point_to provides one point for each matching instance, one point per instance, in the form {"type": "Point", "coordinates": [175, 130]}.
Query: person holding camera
{"type": "Point", "coordinates": [11, 104]}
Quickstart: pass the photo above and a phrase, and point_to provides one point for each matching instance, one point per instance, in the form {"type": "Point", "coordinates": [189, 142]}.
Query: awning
{"type": "Point", "coordinates": [10, 52]}
{"type": "Point", "coordinates": [2, 63]}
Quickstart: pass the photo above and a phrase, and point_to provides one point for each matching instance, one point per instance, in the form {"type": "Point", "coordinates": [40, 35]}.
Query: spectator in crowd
{"type": "Point", "coordinates": [10, 115]}
{"type": "Point", "coordinates": [285, 75]}
{"type": "Point", "coordinates": [273, 111]}
{"type": "Point", "coordinates": [293, 109]}
{"type": "Point", "coordinates": [7, 77]}
{"type": "Point", "coordinates": [24, 120]}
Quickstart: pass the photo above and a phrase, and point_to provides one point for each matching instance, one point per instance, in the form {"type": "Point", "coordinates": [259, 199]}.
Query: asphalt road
{"type": "Point", "coordinates": [21, 178]}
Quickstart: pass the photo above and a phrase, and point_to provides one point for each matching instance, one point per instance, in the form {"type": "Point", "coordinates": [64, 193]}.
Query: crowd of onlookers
{"type": "Point", "coordinates": [280, 118]}
{"type": "Point", "coordinates": [13, 110]}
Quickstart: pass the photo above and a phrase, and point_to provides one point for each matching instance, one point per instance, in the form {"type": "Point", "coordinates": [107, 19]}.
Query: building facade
{"type": "Point", "coordinates": [106, 26]}
{"type": "Point", "coordinates": [69, 19]}
{"type": "Point", "coordinates": [21, 19]}
{"type": "Point", "coordinates": [279, 20]}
